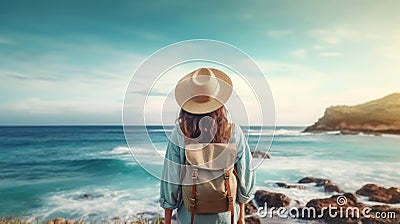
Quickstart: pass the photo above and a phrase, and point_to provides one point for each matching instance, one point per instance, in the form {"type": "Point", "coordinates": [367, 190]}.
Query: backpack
{"type": "Point", "coordinates": [209, 181]}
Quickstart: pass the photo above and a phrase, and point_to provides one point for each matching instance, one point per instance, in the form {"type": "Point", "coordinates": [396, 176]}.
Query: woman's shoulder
{"type": "Point", "coordinates": [236, 128]}
{"type": "Point", "coordinates": [176, 136]}
{"type": "Point", "coordinates": [236, 133]}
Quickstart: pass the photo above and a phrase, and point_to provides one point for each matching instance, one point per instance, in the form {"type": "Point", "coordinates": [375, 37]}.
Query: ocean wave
{"type": "Point", "coordinates": [159, 130]}
{"type": "Point", "coordinates": [348, 175]}
{"type": "Point", "coordinates": [99, 204]}
{"type": "Point", "coordinates": [278, 132]}
{"type": "Point", "coordinates": [127, 151]}
{"type": "Point", "coordinates": [102, 166]}
{"type": "Point", "coordinates": [390, 136]}
{"type": "Point", "coordinates": [330, 133]}
{"type": "Point", "coordinates": [121, 150]}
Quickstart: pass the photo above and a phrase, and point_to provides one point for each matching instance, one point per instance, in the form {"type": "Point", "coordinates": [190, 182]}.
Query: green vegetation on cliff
{"type": "Point", "coordinates": [377, 116]}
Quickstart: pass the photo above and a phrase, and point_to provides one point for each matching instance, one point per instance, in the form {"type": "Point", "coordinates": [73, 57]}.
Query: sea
{"type": "Point", "coordinates": [89, 172]}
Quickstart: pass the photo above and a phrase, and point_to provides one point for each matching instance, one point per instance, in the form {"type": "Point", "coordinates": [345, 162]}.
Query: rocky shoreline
{"type": "Point", "coordinates": [349, 208]}
{"type": "Point", "coordinates": [346, 206]}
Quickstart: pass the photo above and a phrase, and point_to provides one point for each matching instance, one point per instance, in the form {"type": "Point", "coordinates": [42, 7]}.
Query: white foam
{"type": "Point", "coordinates": [103, 203]}
{"type": "Point", "coordinates": [126, 151]}
{"type": "Point", "coordinates": [278, 132]}
{"type": "Point", "coordinates": [390, 136]}
{"type": "Point", "coordinates": [159, 130]}
{"type": "Point", "coordinates": [332, 132]}
{"type": "Point", "coordinates": [301, 195]}
{"type": "Point", "coordinates": [348, 175]}
{"type": "Point", "coordinates": [121, 150]}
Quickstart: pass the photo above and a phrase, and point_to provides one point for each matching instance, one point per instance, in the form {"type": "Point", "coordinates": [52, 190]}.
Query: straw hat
{"type": "Point", "coordinates": [203, 90]}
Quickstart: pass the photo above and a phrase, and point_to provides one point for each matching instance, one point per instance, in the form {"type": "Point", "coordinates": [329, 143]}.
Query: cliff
{"type": "Point", "coordinates": [374, 117]}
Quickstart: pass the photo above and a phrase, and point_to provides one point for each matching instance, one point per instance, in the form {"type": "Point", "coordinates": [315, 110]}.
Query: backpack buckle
{"type": "Point", "coordinates": [192, 202]}
{"type": "Point", "coordinates": [226, 173]}
{"type": "Point", "coordinates": [230, 199]}
{"type": "Point", "coordinates": [194, 173]}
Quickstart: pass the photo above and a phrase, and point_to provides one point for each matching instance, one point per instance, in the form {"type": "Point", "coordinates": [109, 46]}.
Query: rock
{"type": "Point", "coordinates": [348, 211]}
{"type": "Point", "coordinates": [351, 196]}
{"type": "Point", "coordinates": [349, 132]}
{"type": "Point", "coordinates": [380, 194]}
{"type": "Point", "coordinates": [250, 211]}
{"type": "Point", "coordinates": [331, 187]}
{"type": "Point", "coordinates": [322, 212]}
{"type": "Point", "coordinates": [87, 196]}
{"type": "Point", "coordinates": [252, 220]}
{"type": "Point", "coordinates": [260, 155]}
{"type": "Point", "coordinates": [281, 184]}
{"type": "Point", "coordinates": [271, 199]}
{"type": "Point", "coordinates": [323, 182]}
{"type": "Point", "coordinates": [318, 181]}
{"type": "Point", "coordinates": [284, 185]}
{"type": "Point", "coordinates": [250, 208]}
{"type": "Point", "coordinates": [70, 221]}
{"type": "Point", "coordinates": [374, 117]}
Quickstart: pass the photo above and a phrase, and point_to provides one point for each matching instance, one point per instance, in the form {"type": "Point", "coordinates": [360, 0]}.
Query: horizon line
{"type": "Point", "coordinates": [121, 125]}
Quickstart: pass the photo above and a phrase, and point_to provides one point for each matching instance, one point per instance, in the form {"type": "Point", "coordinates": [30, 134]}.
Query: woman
{"type": "Point", "coordinates": [203, 119]}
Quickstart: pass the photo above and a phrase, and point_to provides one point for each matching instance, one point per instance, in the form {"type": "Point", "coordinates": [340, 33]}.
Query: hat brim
{"type": "Point", "coordinates": [188, 102]}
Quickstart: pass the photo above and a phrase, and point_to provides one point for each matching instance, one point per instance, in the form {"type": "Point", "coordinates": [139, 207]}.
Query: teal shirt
{"type": "Point", "coordinates": [170, 192]}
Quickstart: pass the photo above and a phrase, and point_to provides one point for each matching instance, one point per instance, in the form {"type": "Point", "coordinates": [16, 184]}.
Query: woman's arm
{"type": "Point", "coordinates": [245, 175]}
{"type": "Point", "coordinates": [241, 214]}
{"type": "Point", "coordinates": [167, 215]}
{"type": "Point", "coordinates": [170, 188]}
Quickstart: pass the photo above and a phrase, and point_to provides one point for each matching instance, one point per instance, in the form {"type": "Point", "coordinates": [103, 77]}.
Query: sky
{"type": "Point", "coordinates": [70, 62]}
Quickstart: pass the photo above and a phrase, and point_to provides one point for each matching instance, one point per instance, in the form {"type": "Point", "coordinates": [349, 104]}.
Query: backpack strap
{"type": "Point", "coordinates": [229, 196]}
{"type": "Point", "coordinates": [193, 197]}
{"type": "Point", "coordinates": [232, 130]}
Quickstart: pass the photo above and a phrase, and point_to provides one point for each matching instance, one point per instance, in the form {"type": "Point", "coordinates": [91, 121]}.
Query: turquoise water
{"type": "Point", "coordinates": [46, 171]}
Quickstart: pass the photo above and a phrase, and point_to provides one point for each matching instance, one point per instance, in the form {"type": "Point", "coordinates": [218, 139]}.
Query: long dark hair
{"type": "Point", "coordinates": [190, 125]}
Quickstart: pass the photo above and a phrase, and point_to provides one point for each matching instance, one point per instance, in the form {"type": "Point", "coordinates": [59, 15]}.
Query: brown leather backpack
{"type": "Point", "coordinates": [209, 183]}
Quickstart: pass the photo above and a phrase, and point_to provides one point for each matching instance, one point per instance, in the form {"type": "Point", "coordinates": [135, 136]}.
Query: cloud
{"type": "Point", "coordinates": [63, 89]}
{"type": "Point", "coordinates": [330, 54]}
{"type": "Point", "coordinates": [4, 40]}
{"type": "Point", "coordinates": [153, 92]}
{"type": "Point", "coordinates": [19, 76]}
{"type": "Point", "coordinates": [299, 52]}
{"type": "Point", "coordinates": [385, 35]}
{"type": "Point", "coordinates": [390, 51]}
{"type": "Point", "coordinates": [333, 36]}
{"type": "Point", "coordinates": [40, 106]}
{"type": "Point", "coordinates": [294, 86]}
{"type": "Point", "coordinates": [279, 33]}
{"type": "Point", "coordinates": [73, 95]}
{"type": "Point", "coordinates": [318, 47]}
{"type": "Point", "coordinates": [302, 92]}
{"type": "Point", "coordinates": [289, 70]}
{"type": "Point", "coordinates": [148, 35]}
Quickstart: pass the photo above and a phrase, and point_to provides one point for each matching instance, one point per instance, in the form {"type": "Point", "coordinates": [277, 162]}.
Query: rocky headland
{"type": "Point", "coordinates": [381, 116]}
